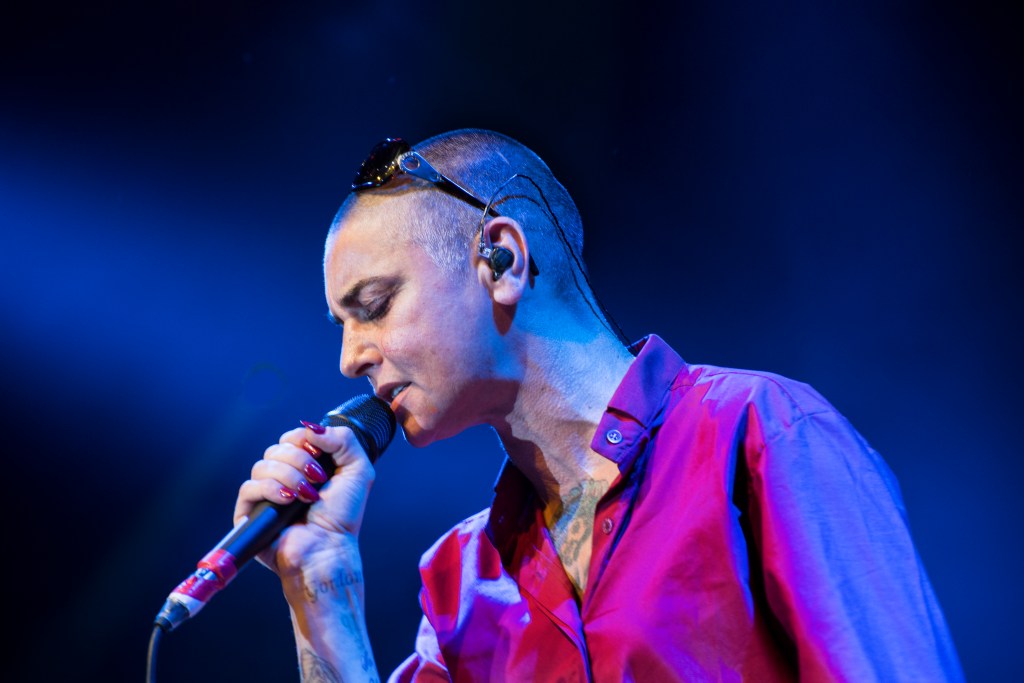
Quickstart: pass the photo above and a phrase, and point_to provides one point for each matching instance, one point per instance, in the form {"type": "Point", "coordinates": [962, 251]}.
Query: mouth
{"type": "Point", "coordinates": [390, 393]}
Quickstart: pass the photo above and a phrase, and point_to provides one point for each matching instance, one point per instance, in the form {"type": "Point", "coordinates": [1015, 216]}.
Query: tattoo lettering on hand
{"type": "Point", "coordinates": [333, 585]}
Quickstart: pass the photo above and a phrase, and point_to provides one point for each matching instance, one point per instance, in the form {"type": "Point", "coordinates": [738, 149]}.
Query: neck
{"type": "Point", "coordinates": [567, 383]}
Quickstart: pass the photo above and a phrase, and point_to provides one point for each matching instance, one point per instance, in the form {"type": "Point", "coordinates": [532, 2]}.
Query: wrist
{"type": "Point", "coordinates": [328, 615]}
{"type": "Point", "coordinates": [330, 575]}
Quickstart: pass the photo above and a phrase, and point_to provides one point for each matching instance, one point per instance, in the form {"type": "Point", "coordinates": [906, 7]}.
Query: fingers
{"type": "Point", "coordinates": [290, 469]}
{"type": "Point", "coordinates": [340, 442]}
{"type": "Point", "coordinates": [255, 491]}
{"type": "Point", "coordinates": [287, 472]}
{"type": "Point", "coordinates": [298, 475]}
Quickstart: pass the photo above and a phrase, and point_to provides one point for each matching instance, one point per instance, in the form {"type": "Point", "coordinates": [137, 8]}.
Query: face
{"type": "Point", "coordinates": [425, 340]}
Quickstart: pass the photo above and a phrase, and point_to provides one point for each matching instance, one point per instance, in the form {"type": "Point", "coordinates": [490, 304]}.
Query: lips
{"type": "Point", "coordinates": [390, 392]}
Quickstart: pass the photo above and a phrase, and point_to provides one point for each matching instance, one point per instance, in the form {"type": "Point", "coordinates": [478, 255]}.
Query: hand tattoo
{"type": "Point", "coordinates": [333, 585]}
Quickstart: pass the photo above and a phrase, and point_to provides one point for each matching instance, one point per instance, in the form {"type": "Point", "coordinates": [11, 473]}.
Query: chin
{"type": "Point", "coordinates": [415, 435]}
{"type": "Point", "coordinates": [415, 439]}
{"type": "Point", "coordinates": [420, 435]}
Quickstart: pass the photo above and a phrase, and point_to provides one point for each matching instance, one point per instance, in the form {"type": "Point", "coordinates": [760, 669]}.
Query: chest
{"type": "Point", "coordinates": [660, 598]}
{"type": "Point", "coordinates": [570, 523]}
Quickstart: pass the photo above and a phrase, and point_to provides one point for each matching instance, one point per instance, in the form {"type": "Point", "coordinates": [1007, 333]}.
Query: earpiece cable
{"type": "Point", "coordinates": [604, 317]}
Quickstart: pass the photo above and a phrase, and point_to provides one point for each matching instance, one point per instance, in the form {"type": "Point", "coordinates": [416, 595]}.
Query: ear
{"type": "Point", "coordinates": [503, 255]}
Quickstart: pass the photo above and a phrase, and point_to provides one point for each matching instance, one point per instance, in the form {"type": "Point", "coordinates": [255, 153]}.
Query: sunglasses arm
{"type": "Point", "coordinates": [412, 163]}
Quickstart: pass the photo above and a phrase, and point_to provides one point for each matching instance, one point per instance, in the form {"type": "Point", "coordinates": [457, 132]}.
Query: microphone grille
{"type": "Point", "coordinates": [370, 418]}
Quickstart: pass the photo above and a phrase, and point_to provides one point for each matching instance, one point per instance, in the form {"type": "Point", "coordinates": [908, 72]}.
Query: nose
{"type": "Point", "coordinates": [359, 352]}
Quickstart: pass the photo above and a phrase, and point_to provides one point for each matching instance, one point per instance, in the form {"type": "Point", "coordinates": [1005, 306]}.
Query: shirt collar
{"type": "Point", "coordinates": [634, 410]}
{"type": "Point", "coordinates": [644, 390]}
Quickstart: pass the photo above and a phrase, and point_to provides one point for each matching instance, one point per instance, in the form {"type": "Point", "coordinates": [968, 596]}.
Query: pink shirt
{"type": "Point", "coordinates": [752, 535]}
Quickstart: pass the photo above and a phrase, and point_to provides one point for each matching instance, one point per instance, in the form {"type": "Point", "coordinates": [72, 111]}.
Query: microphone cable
{"type": "Point", "coordinates": [373, 424]}
{"type": "Point", "coordinates": [154, 642]}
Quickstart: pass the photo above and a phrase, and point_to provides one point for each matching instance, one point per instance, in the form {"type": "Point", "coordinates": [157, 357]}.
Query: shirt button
{"type": "Point", "coordinates": [614, 436]}
{"type": "Point", "coordinates": [607, 525]}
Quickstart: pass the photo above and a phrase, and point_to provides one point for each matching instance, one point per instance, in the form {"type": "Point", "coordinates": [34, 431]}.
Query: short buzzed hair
{"type": "Point", "coordinates": [497, 169]}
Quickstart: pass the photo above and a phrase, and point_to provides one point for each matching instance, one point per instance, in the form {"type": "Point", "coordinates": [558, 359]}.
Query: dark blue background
{"type": "Point", "coordinates": [831, 194]}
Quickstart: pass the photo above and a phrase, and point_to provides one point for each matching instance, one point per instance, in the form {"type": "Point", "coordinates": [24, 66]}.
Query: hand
{"type": "Point", "coordinates": [329, 534]}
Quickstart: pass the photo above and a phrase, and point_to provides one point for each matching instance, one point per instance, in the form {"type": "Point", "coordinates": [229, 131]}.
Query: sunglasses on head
{"type": "Point", "coordinates": [393, 156]}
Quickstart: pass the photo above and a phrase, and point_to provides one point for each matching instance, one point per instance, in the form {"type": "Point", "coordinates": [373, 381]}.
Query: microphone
{"type": "Point", "coordinates": [373, 423]}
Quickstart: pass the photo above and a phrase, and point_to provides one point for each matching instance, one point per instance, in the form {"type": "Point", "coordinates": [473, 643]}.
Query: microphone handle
{"type": "Point", "coordinates": [221, 565]}
{"type": "Point", "coordinates": [267, 519]}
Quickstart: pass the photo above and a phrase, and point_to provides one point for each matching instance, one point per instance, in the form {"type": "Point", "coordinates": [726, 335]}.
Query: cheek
{"type": "Point", "coordinates": [392, 345]}
{"type": "Point", "coordinates": [412, 337]}
{"type": "Point", "coordinates": [422, 355]}
{"type": "Point", "coordinates": [402, 346]}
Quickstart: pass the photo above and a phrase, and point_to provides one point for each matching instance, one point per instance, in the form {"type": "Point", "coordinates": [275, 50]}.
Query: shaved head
{"type": "Point", "coordinates": [486, 164]}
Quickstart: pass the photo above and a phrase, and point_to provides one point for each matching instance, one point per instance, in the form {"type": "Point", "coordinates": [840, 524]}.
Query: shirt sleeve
{"type": "Point", "coordinates": [841, 573]}
{"type": "Point", "coordinates": [425, 665]}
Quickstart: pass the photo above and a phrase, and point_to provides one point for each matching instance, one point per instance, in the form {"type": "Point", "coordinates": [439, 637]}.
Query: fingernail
{"type": "Point", "coordinates": [315, 473]}
{"type": "Point", "coordinates": [286, 493]}
{"type": "Point", "coordinates": [311, 449]}
{"type": "Point", "coordinates": [314, 427]}
{"type": "Point", "coordinates": [307, 493]}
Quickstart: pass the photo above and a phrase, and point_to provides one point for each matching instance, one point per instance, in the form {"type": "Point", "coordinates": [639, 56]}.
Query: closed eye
{"type": "Point", "coordinates": [377, 308]}
{"type": "Point", "coordinates": [369, 299]}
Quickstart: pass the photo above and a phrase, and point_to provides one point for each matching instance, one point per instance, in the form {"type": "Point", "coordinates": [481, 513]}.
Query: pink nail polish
{"type": "Point", "coordinates": [313, 427]}
{"type": "Point", "coordinates": [307, 493]}
{"type": "Point", "coordinates": [311, 449]}
{"type": "Point", "coordinates": [315, 473]}
{"type": "Point", "coordinates": [286, 493]}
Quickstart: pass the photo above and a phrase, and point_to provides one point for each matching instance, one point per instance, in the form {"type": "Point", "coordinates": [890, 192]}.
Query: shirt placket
{"type": "Point", "coordinates": [622, 441]}
{"type": "Point", "coordinates": [542, 578]}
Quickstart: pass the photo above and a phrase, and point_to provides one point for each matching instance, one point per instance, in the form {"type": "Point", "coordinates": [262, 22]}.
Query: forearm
{"type": "Point", "coordinates": [328, 617]}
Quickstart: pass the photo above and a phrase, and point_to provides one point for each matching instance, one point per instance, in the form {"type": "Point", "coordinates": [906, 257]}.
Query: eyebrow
{"type": "Point", "coordinates": [351, 298]}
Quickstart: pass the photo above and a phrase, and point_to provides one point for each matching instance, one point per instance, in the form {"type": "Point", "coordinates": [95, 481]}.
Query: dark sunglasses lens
{"type": "Point", "coordinates": [379, 166]}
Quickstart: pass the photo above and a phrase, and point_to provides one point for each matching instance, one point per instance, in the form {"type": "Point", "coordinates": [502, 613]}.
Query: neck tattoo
{"type": "Point", "coordinates": [571, 523]}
